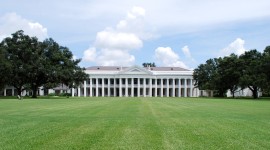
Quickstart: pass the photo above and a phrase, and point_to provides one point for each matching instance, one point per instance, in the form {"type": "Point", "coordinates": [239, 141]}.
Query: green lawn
{"type": "Point", "coordinates": [134, 123]}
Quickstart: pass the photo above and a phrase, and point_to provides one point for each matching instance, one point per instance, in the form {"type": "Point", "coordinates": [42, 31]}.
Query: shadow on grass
{"type": "Point", "coordinates": [71, 98]}
{"type": "Point", "coordinates": [28, 97]}
{"type": "Point", "coordinates": [238, 98]}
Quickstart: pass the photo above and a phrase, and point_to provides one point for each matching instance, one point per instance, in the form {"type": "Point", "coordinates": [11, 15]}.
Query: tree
{"type": "Point", "coordinates": [207, 77]}
{"type": "Point", "coordinates": [149, 64]}
{"type": "Point", "coordinates": [56, 66]}
{"type": "Point", "coordinates": [35, 64]}
{"type": "Point", "coordinates": [266, 69]}
{"type": "Point", "coordinates": [4, 68]}
{"type": "Point", "coordinates": [219, 75]}
{"type": "Point", "coordinates": [67, 70]}
{"type": "Point", "coordinates": [19, 49]}
{"type": "Point", "coordinates": [252, 74]}
{"type": "Point", "coordinates": [229, 71]}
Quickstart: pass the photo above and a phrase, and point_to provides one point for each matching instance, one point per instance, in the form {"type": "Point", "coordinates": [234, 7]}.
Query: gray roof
{"type": "Point", "coordinates": [168, 69]}
{"type": "Point", "coordinates": [106, 68]}
{"type": "Point", "coordinates": [118, 68]}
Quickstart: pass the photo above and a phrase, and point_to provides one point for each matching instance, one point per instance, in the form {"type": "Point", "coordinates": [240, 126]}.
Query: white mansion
{"type": "Point", "coordinates": [132, 81]}
{"type": "Point", "coordinates": [136, 81]}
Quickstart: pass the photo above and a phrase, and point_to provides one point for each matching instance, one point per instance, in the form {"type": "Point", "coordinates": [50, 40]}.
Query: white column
{"type": "Point", "coordinates": [156, 87]}
{"type": "Point", "coordinates": [132, 87]}
{"type": "Point", "coordinates": [185, 87]}
{"type": "Point", "coordinates": [5, 92]}
{"type": "Point", "coordinates": [179, 87]}
{"type": "Point", "coordinates": [144, 87]}
{"type": "Point", "coordinates": [126, 87]}
{"type": "Point", "coordinates": [150, 89]}
{"type": "Point", "coordinates": [114, 87]}
{"type": "Point", "coordinates": [97, 87]}
{"type": "Point", "coordinates": [72, 92]}
{"type": "Point", "coordinates": [190, 88]}
{"type": "Point", "coordinates": [102, 80]}
{"type": "Point", "coordinates": [161, 87]}
{"type": "Point", "coordinates": [168, 87]}
{"type": "Point", "coordinates": [120, 87]}
{"type": "Point", "coordinates": [173, 90]}
{"type": "Point", "coordinates": [79, 91]}
{"type": "Point", "coordinates": [91, 86]}
{"type": "Point", "coordinates": [12, 92]}
{"type": "Point", "coordinates": [109, 87]}
{"type": "Point", "coordinates": [84, 88]}
{"type": "Point", "coordinates": [139, 87]}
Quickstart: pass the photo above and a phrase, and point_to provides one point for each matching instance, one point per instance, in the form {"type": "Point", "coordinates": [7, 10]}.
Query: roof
{"type": "Point", "coordinates": [119, 68]}
{"type": "Point", "coordinates": [106, 68]}
{"type": "Point", "coordinates": [168, 69]}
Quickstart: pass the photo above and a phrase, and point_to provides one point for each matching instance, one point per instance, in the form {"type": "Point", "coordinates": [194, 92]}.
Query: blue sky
{"type": "Point", "coordinates": [170, 33]}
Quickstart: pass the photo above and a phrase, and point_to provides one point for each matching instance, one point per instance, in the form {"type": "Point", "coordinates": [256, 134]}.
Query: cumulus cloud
{"type": "Point", "coordinates": [236, 47]}
{"type": "Point", "coordinates": [11, 22]}
{"type": "Point", "coordinates": [90, 54]}
{"type": "Point", "coordinates": [167, 57]}
{"type": "Point", "coordinates": [109, 57]}
{"type": "Point", "coordinates": [117, 40]}
{"type": "Point", "coordinates": [114, 45]}
{"type": "Point", "coordinates": [187, 53]}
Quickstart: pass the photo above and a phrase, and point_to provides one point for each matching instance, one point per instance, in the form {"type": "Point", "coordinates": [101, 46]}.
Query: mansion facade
{"type": "Point", "coordinates": [135, 81]}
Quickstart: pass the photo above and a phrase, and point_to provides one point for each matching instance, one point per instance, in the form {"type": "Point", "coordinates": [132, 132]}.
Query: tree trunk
{"type": "Point", "coordinates": [232, 92]}
{"type": "Point", "coordinates": [254, 91]}
{"type": "Point", "coordinates": [19, 90]}
{"type": "Point", "coordinates": [34, 89]}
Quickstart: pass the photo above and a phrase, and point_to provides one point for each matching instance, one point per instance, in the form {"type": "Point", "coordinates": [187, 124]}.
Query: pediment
{"type": "Point", "coordinates": [135, 70]}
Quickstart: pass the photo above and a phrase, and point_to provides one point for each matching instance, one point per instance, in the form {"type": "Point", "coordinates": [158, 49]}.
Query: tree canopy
{"type": "Point", "coordinates": [149, 64]}
{"type": "Point", "coordinates": [29, 63]}
{"type": "Point", "coordinates": [249, 70]}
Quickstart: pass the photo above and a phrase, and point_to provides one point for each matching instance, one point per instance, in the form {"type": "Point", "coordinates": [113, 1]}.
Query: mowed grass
{"type": "Point", "coordinates": [134, 123]}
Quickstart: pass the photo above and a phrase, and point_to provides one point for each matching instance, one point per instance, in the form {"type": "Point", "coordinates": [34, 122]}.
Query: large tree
{"type": "Point", "coordinates": [63, 68]}
{"type": "Point", "coordinates": [4, 68]}
{"type": "Point", "coordinates": [19, 50]}
{"type": "Point", "coordinates": [207, 77]}
{"type": "Point", "coordinates": [252, 72]}
{"type": "Point", "coordinates": [35, 64]}
{"type": "Point", "coordinates": [229, 70]}
{"type": "Point", "coordinates": [56, 66]}
{"type": "Point", "coordinates": [266, 69]}
{"type": "Point", "coordinates": [219, 75]}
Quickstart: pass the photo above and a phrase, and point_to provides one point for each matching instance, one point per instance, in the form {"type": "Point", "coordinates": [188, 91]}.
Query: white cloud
{"type": "Point", "coordinates": [186, 51]}
{"type": "Point", "coordinates": [113, 45]}
{"type": "Point", "coordinates": [11, 22]}
{"type": "Point", "coordinates": [236, 47]}
{"type": "Point", "coordinates": [167, 57]}
{"type": "Point", "coordinates": [117, 40]}
{"type": "Point", "coordinates": [90, 54]}
{"type": "Point", "coordinates": [136, 12]}
{"type": "Point", "coordinates": [113, 57]}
